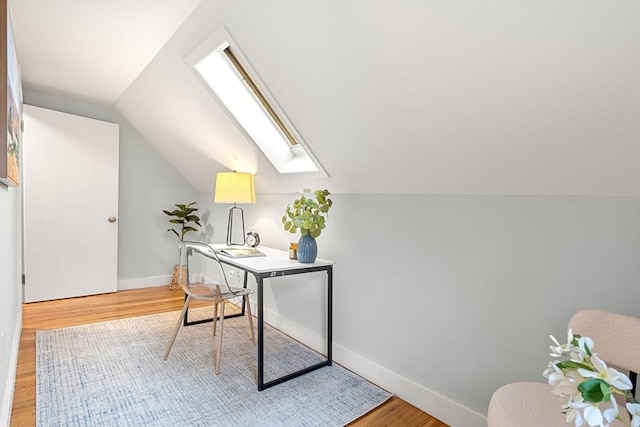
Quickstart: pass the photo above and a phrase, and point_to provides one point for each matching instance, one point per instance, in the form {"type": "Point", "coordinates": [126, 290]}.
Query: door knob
{"type": "Point", "coordinates": [112, 219]}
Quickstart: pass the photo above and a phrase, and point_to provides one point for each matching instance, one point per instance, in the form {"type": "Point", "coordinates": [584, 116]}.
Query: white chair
{"type": "Point", "coordinates": [202, 277]}
{"type": "Point", "coordinates": [531, 404]}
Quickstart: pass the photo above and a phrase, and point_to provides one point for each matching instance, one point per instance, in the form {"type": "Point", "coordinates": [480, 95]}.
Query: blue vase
{"type": "Point", "coordinates": [307, 249]}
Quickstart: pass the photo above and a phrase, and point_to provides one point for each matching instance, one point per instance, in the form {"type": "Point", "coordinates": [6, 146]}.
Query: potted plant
{"type": "Point", "coordinates": [186, 219]}
{"type": "Point", "coordinates": [183, 216]}
{"type": "Point", "coordinates": [308, 214]}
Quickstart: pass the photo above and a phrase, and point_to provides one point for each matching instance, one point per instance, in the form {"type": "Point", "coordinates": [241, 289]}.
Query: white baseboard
{"type": "Point", "coordinates": [441, 407]}
{"type": "Point", "coordinates": [7, 401]}
{"type": "Point", "coordinates": [143, 282]}
{"type": "Point", "coordinates": [446, 410]}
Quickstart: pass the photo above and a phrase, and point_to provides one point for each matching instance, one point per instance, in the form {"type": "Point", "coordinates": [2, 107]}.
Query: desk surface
{"type": "Point", "coordinates": [275, 260]}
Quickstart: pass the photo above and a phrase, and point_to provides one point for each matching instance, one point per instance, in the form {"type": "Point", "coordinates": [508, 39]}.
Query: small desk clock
{"type": "Point", "coordinates": [252, 239]}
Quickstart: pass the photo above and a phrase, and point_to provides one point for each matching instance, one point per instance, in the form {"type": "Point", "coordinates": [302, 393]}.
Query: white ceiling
{"type": "Point", "coordinates": [424, 97]}
{"type": "Point", "coordinates": [91, 49]}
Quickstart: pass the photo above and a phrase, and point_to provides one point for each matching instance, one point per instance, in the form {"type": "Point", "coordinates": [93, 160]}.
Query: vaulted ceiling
{"type": "Point", "coordinates": [423, 97]}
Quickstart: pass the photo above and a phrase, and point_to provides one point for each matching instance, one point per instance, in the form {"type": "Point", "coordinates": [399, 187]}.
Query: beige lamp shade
{"type": "Point", "coordinates": [234, 187]}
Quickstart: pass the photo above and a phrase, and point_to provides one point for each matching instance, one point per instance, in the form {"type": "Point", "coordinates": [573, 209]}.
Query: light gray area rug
{"type": "Point", "coordinates": [112, 374]}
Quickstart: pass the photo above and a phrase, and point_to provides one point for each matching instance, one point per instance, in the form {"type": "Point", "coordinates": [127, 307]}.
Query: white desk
{"type": "Point", "coordinates": [276, 263]}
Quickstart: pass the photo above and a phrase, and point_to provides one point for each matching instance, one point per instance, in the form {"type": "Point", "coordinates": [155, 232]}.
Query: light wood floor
{"type": "Point", "coordinates": [140, 302]}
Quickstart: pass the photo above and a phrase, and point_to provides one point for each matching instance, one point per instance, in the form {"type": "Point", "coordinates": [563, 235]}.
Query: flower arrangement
{"type": "Point", "coordinates": [589, 385]}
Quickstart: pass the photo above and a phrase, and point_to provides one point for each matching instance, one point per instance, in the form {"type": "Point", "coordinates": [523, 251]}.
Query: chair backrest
{"type": "Point", "coordinates": [616, 336]}
{"type": "Point", "coordinates": [200, 265]}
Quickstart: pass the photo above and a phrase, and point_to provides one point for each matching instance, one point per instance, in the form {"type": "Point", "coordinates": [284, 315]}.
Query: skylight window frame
{"type": "Point", "coordinates": [262, 100]}
{"type": "Point", "coordinates": [285, 163]}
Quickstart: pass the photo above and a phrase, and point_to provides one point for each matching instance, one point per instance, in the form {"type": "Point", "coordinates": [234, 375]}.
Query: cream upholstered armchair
{"type": "Point", "coordinates": [531, 404]}
{"type": "Point", "coordinates": [202, 277]}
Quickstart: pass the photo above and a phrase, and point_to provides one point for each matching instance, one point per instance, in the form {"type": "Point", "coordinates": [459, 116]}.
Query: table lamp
{"type": "Point", "coordinates": [234, 187]}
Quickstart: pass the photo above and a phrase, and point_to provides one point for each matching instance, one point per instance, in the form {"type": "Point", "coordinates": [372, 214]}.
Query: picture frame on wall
{"type": "Point", "coordinates": [11, 110]}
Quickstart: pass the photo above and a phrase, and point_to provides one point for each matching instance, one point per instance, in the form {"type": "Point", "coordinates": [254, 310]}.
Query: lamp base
{"type": "Point", "coordinates": [230, 241]}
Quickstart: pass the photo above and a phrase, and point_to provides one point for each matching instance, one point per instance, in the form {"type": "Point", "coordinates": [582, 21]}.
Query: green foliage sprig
{"type": "Point", "coordinates": [183, 216]}
{"type": "Point", "coordinates": [308, 213]}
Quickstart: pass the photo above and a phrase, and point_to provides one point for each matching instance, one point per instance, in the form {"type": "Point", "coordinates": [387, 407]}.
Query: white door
{"type": "Point", "coordinates": [70, 205]}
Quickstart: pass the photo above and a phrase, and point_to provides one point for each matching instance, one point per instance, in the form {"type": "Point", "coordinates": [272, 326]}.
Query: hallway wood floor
{"type": "Point", "coordinates": [139, 302]}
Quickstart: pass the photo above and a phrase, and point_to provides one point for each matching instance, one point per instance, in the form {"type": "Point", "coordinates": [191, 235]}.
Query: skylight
{"type": "Point", "coordinates": [249, 105]}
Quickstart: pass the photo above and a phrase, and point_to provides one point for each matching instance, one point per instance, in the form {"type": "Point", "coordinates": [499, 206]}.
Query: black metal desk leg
{"type": "Point", "coordinates": [259, 283]}
{"type": "Point", "coordinates": [244, 285]}
{"type": "Point", "coordinates": [330, 314]}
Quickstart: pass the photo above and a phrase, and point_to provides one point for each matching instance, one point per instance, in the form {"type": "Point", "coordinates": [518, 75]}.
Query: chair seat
{"type": "Point", "coordinates": [525, 404]}
{"type": "Point", "coordinates": [211, 293]}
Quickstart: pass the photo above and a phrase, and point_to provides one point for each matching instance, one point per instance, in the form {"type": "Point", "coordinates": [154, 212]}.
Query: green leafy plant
{"type": "Point", "coordinates": [183, 216]}
{"type": "Point", "coordinates": [308, 213]}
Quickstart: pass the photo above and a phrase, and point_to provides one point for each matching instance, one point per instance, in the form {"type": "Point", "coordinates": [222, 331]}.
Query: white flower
{"type": "Point", "coordinates": [553, 373]}
{"type": "Point", "coordinates": [551, 368]}
{"type": "Point", "coordinates": [559, 349]}
{"type": "Point", "coordinates": [562, 383]}
{"type": "Point", "coordinates": [593, 415]}
{"type": "Point", "coordinates": [610, 375]}
{"type": "Point", "coordinates": [569, 385]}
{"type": "Point", "coordinates": [585, 343]}
{"type": "Point", "coordinates": [581, 353]}
{"type": "Point", "coordinates": [574, 414]}
{"type": "Point", "coordinates": [590, 413]}
{"type": "Point", "coordinates": [612, 413]}
{"type": "Point", "coordinates": [634, 411]}
{"type": "Point", "coordinates": [572, 409]}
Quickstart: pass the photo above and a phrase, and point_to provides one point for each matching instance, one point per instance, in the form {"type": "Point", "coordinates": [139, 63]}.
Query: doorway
{"type": "Point", "coordinates": [70, 205]}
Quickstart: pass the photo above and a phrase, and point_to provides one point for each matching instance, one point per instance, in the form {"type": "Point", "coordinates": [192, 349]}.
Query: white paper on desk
{"type": "Point", "coordinates": [239, 252]}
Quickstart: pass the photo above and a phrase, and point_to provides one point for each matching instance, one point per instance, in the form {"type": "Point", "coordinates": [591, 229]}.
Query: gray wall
{"type": "Point", "coordinates": [147, 184]}
{"type": "Point", "coordinates": [10, 286]}
{"type": "Point", "coordinates": [456, 293]}
{"type": "Point", "coordinates": [460, 293]}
